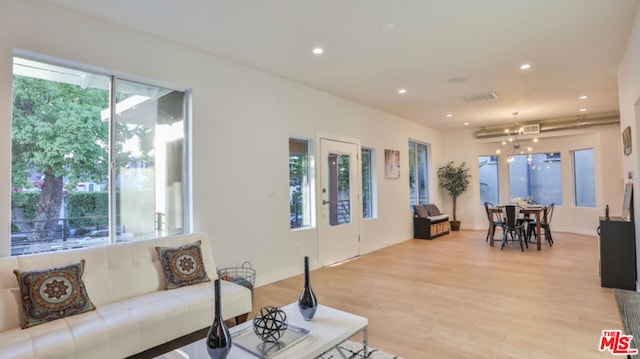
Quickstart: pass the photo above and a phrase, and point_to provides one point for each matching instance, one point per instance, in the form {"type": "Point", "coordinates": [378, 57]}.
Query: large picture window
{"type": "Point", "coordinates": [418, 173]}
{"type": "Point", "coordinates": [536, 177]}
{"type": "Point", "coordinates": [95, 159]}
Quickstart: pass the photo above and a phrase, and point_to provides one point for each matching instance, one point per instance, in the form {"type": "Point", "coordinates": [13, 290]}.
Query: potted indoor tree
{"type": "Point", "coordinates": [455, 179]}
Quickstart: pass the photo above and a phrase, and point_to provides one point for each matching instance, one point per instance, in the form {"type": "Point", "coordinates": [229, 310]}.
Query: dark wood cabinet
{"type": "Point", "coordinates": [617, 253]}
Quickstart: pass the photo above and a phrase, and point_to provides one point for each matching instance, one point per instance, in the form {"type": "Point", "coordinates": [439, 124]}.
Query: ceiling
{"type": "Point", "coordinates": [446, 54]}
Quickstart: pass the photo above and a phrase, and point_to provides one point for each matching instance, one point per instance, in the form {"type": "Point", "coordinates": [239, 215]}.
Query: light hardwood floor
{"type": "Point", "coordinates": [456, 297]}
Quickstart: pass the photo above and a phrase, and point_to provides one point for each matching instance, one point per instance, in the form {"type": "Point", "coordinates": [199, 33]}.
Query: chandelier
{"type": "Point", "coordinates": [515, 141]}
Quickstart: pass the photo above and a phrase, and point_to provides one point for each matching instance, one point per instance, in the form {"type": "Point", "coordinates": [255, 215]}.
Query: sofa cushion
{"type": "Point", "coordinates": [439, 218]}
{"type": "Point", "coordinates": [420, 211]}
{"type": "Point", "coordinates": [433, 210]}
{"type": "Point", "coordinates": [51, 294]}
{"type": "Point", "coordinates": [182, 265]}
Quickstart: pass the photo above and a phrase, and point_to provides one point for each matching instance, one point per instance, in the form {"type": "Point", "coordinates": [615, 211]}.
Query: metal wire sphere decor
{"type": "Point", "coordinates": [270, 323]}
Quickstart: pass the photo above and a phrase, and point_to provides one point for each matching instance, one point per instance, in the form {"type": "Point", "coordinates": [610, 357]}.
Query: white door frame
{"type": "Point", "coordinates": [356, 179]}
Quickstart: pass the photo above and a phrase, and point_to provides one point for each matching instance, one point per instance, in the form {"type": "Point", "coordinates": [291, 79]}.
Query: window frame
{"type": "Point", "coordinates": [414, 166]}
{"type": "Point", "coordinates": [111, 78]}
{"type": "Point", "coordinates": [550, 156]}
{"type": "Point", "coordinates": [574, 177]}
{"type": "Point", "coordinates": [307, 186]}
{"type": "Point", "coordinates": [371, 194]}
{"type": "Point", "coordinates": [497, 164]}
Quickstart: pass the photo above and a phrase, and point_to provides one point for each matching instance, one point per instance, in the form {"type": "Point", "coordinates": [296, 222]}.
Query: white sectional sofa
{"type": "Point", "coordinates": [133, 312]}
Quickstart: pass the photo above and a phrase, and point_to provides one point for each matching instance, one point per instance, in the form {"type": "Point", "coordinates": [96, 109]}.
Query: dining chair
{"type": "Point", "coordinates": [495, 219]}
{"type": "Point", "coordinates": [545, 224]}
{"type": "Point", "coordinates": [511, 226]}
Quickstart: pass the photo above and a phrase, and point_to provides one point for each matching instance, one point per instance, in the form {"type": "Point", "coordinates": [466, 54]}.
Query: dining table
{"type": "Point", "coordinates": [535, 210]}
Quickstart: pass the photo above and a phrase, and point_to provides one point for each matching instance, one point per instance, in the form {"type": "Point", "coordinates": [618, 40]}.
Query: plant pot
{"type": "Point", "coordinates": [455, 225]}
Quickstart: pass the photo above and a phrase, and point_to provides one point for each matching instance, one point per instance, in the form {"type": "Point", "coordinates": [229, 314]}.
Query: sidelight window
{"type": "Point", "coordinates": [584, 190]}
{"type": "Point", "coordinates": [299, 184]}
{"type": "Point", "coordinates": [418, 182]}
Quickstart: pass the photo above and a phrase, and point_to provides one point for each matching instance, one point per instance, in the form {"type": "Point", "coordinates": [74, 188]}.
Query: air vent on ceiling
{"type": "Point", "coordinates": [531, 129]}
{"type": "Point", "coordinates": [481, 97]}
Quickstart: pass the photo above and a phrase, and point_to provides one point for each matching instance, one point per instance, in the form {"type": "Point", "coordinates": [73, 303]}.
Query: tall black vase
{"type": "Point", "coordinates": [218, 339]}
{"type": "Point", "coordinates": [307, 302]}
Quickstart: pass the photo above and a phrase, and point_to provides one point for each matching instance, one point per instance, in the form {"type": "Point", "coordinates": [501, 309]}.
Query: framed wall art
{"type": "Point", "coordinates": [392, 163]}
{"type": "Point", "coordinates": [626, 141]}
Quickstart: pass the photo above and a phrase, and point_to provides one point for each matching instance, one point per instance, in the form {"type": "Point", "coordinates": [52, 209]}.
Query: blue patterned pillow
{"type": "Point", "coordinates": [182, 265]}
{"type": "Point", "coordinates": [52, 294]}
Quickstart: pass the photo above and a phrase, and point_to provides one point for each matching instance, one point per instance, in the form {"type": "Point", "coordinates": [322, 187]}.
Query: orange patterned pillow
{"type": "Point", "coordinates": [182, 265]}
{"type": "Point", "coordinates": [51, 294]}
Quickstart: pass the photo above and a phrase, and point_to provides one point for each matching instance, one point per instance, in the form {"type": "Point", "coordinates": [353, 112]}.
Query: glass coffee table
{"type": "Point", "coordinates": [328, 328]}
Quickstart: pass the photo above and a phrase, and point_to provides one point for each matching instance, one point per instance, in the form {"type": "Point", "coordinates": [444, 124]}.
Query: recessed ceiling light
{"type": "Point", "coordinates": [318, 50]}
{"type": "Point", "coordinates": [525, 67]}
{"type": "Point", "coordinates": [402, 91]}
{"type": "Point", "coordinates": [388, 27]}
{"type": "Point", "coordinates": [466, 123]}
{"type": "Point", "coordinates": [583, 110]}
{"type": "Point", "coordinates": [457, 80]}
{"type": "Point", "coordinates": [584, 97]}
{"type": "Point", "coordinates": [449, 115]}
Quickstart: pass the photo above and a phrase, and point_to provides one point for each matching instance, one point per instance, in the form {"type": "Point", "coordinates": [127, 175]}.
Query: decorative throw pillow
{"type": "Point", "coordinates": [182, 265]}
{"type": "Point", "coordinates": [433, 210]}
{"type": "Point", "coordinates": [420, 211]}
{"type": "Point", "coordinates": [51, 294]}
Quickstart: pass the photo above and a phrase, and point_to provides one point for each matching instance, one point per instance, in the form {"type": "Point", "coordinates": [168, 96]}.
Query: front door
{"type": "Point", "coordinates": [339, 227]}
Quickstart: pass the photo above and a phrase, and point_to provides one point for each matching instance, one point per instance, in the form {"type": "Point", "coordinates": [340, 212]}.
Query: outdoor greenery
{"type": "Point", "coordinates": [56, 132]}
{"type": "Point", "coordinates": [297, 174]}
{"type": "Point", "coordinates": [366, 184]}
{"type": "Point", "coordinates": [455, 179]}
{"type": "Point", "coordinates": [94, 206]}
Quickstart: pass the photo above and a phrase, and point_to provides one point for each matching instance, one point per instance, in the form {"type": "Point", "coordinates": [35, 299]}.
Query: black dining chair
{"type": "Point", "coordinates": [495, 219]}
{"type": "Point", "coordinates": [511, 226]}
{"type": "Point", "coordinates": [545, 224]}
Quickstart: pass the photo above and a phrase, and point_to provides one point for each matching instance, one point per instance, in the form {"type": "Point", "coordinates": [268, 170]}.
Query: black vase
{"type": "Point", "coordinates": [218, 339]}
{"type": "Point", "coordinates": [307, 303]}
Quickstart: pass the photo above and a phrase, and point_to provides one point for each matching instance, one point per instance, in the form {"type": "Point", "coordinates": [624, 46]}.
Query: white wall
{"type": "Point", "coordinates": [629, 92]}
{"type": "Point", "coordinates": [606, 142]}
{"type": "Point", "coordinates": [242, 119]}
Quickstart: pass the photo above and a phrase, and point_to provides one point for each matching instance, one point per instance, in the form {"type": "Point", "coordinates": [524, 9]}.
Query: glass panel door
{"type": "Point", "coordinates": [339, 190]}
{"type": "Point", "coordinates": [338, 229]}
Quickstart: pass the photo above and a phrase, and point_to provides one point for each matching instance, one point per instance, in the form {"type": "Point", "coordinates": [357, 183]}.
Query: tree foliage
{"type": "Point", "coordinates": [455, 179]}
{"type": "Point", "coordinates": [56, 131]}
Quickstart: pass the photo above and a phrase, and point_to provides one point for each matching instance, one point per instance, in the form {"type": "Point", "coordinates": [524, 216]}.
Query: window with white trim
{"type": "Point", "coordinates": [96, 159]}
